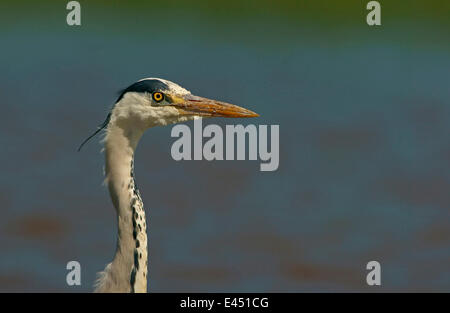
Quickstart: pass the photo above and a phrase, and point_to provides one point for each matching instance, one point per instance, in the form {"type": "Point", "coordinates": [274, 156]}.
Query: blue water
{"type": "Point", "coordinates": [364, 161]}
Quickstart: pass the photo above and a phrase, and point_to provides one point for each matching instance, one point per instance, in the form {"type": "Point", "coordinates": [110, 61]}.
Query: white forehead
{"type": "Point", "coordinates": [175, 88]}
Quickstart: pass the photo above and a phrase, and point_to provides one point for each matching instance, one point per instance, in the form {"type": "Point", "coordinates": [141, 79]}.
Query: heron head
{"type": "Point", "coordinates": [153, 102]}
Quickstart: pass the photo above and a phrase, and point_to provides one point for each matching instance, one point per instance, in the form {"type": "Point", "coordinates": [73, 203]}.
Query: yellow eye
{"type": "Point", "coordinates": [158, 96]}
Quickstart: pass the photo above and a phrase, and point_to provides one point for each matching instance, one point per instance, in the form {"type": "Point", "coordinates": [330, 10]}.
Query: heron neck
{"type": "Point", "coordinates": [128, 271]}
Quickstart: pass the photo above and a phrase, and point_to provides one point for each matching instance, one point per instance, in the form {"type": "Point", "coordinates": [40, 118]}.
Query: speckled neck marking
{"type": "Point", "coordinates": [138, 277]}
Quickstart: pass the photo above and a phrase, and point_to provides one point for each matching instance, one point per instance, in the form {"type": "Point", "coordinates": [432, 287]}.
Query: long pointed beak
{"type": "Point", "coordinates": [193, 105]}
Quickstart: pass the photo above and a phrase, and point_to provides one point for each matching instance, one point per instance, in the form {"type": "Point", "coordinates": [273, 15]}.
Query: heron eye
{"type": "Point", "coordinates": [158, 96]}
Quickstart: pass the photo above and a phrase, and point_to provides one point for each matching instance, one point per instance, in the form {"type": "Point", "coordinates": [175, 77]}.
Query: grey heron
{"type": "Point", "coordinates": [147, 103]}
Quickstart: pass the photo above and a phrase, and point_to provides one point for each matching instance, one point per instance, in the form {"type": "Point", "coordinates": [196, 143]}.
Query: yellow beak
{"type": "Point", "coordinates": [193, 105]}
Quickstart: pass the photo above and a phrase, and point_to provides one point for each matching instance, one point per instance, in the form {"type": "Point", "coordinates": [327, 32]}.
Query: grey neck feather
{"type": "Point", "coordinates": [128, 270]}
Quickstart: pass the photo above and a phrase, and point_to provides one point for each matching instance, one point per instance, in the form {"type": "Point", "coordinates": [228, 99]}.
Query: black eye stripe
{"type": "Point", "coordinates": [143, 86]}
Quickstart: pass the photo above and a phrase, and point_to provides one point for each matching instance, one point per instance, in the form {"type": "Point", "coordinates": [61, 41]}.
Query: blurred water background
{"type": "Point", "coordinates": [364, 144]}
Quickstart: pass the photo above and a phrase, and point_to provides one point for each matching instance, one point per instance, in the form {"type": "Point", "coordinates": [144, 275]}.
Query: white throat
{"type": "Point", "coordinates": [128, 270]}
